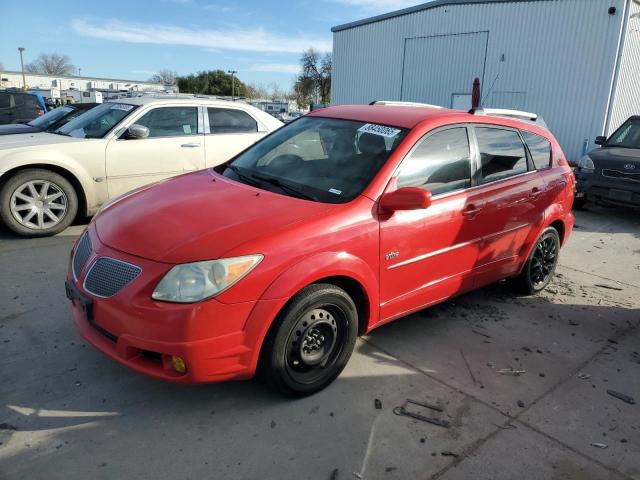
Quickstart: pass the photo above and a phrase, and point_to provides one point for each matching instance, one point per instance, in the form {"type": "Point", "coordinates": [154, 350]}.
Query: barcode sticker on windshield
{"type": "Point", "coordinates": [336, 191]}
{"type": "Point", "coordinates": [121, 106]}
{"type": "Point", "coordinates": [379, 130]}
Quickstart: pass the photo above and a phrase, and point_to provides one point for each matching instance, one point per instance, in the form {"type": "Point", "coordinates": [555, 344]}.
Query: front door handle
{"type": "Point", "coordinates": [471, 210]}
{"type": "Point", "coordinates": [190, 145]}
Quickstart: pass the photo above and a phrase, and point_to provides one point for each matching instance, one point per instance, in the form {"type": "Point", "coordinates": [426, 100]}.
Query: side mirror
{"type": "Point", "coordinates": [406, 198]}
{"type": "Point", "coordinates": [136, 132]}
{"type": "Point", "coordinates": [600, 140]}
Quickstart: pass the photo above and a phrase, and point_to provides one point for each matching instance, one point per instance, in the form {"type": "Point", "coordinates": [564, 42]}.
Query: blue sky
{"type": "Point", "coordinates": [133, 39]}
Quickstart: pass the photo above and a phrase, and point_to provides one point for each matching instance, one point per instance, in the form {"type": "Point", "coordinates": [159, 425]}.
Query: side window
{"type": "Point", "coordinates": [502, 154]}
{"type": "Point", "coordinates": [540, 149]}
{"type": "Point", "coordinates": [441, 163]}
{"type": "Point", "coordinates": [229, 120]}
{"type": "Point", "coordinates": [170, 121]}
{"type": "Point", "coordinates": [5, 100]}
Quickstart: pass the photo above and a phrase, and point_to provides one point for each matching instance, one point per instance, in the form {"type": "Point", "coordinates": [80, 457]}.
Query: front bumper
{"type": "Point", "coordinates": [217, 341]}
{"type": "Point", "coordinates": [609, 191]}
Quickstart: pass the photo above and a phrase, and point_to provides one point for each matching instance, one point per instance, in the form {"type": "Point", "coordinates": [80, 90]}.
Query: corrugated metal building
{"type": "Point", "coordinates": [575, 62]}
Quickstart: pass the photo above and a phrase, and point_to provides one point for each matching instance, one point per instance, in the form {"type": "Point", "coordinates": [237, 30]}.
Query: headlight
{"type": "Point", "coordinates": [586, 164]}
{"type": "Point", "coordinates": [192, 282]}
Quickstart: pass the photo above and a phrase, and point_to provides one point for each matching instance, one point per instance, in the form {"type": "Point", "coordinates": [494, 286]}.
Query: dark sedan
{"type": "Point", "coordinates": [49, 121]}
{"type": "Point", "coordinates": [610, 175]}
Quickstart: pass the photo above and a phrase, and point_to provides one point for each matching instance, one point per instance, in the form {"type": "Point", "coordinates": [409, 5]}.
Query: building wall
{"type": "Point", "coordinates": [14, 79]}
{"type": "Point", "coordinates": [552, 57]}
{"type": "Point", "coordinates": [626, 99]}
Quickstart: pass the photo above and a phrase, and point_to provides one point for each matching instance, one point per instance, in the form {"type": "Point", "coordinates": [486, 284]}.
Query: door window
{"type": "Point", "coordinates": [502, 154]}
{"type": "Point", "coordinates": [229, 120]}
{"type": "Point", "coordinates": [170, 121]}
{"type": "Point", "coordinates": [540, 150]}
{"type": "Point", "coordinates": [441, 163]}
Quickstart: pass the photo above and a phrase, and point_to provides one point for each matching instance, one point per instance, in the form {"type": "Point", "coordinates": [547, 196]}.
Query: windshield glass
{"type": "Point", "coordinates": [322, 159]}
{"type": "Point", "coordinates": [97, 122]}
{"type": "Point", "coordinates": [49, 118]}
{"type": "Point", "coordinates": [628, 136]}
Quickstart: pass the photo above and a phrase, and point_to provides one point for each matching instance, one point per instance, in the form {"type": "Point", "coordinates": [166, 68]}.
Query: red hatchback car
{"type": "Point", "coordinates": [337, 223]}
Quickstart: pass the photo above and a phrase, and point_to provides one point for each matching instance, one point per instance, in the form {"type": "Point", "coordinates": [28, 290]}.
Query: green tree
{"type": "Point", "coordinates": [211, 82]}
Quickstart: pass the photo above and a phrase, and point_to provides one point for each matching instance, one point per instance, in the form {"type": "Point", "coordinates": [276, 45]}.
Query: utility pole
{"type": "Point", "coordinates": [24, 81]}
{"type": "Point", "coordinates": [79, 72]}
{"type": "Point", "coordinates": [232, 72]}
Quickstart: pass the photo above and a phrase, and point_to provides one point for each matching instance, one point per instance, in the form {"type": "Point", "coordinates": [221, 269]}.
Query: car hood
{"type": "Point", "coordinates": [38, 139]}
{"type": "Point", "coordinates": [198, 216]}
{"type": "Point", "coordinates": [17, 128]}
{"type": "Point", "coordinates": [615, 157]}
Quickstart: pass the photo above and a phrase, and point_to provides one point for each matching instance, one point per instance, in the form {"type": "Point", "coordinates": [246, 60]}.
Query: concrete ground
{"type": "Point", "coordinates": [68, 412]}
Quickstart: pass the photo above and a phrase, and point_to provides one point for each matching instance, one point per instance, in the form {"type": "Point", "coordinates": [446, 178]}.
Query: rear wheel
{"type": "Point", "coordinates": [311, 341]}
{"type": "Point", "coordinates": [541, 264]}
{"type": "Point", "coordinates": [38, 203]}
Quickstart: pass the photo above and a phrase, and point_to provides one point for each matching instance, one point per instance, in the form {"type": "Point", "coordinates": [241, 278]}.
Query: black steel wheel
{"type": "Point", "coordinates": [311, 341]}
{"type": "Point", "coordinates": [542, 263]}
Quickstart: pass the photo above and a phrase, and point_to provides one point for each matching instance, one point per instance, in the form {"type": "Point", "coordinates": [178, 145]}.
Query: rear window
{"type": "Point", "coordinates": [502, 154]}
{"type": "Point", "coordinates": [540, 149]}
{"type": "Point", "coordinates": [5, 100]}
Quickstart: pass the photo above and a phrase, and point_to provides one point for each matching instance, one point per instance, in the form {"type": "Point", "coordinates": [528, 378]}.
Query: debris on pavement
{"type": "Point", "coordinates": [402, 411]}
{"type": "Point", "coordinates": [609, 287]}
{"type": "Point", "coordinates": [584, 376]}
{"type": "Point", "coordinates": [334, 474]}
{"type": "Point", "coordinates": [622, 396]}
{"type": "Point", "coordinates": [449, 454]}
{"type": "Point", "coordinates": [8, 426]}
{"type": "Point", "coordinates": [520, 403]}
{"type": "Point", "coordinates": [378, 404]}
{"type": "Point", "coordinates": [511, 371]}
{"type": "Point", "coordinates": [477, 332]}
{"type": "Point", "coordinates": [599, 445]}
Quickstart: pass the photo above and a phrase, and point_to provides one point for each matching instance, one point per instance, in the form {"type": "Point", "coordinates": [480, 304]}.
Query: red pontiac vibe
{"type": "Point", "coordinates": [339, 222]}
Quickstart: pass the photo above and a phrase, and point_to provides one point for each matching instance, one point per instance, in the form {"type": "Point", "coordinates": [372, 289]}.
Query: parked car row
{"type": "Point", "coordinates": [273, 261]}
{"type": "Point", "coordinates": [48, 177]}
{"type": "Point", "coordinates": [20, 107]}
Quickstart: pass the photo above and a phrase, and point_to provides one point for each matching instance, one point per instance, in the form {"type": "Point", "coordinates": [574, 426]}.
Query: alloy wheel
{"type": "Point", "coordinates": [544, 260]}
{"type": "Point", "coordinates": [39, 204]}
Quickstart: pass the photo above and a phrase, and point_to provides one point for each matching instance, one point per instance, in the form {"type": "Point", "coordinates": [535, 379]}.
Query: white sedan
{"type": "Point", "coordinates": [47, 178]}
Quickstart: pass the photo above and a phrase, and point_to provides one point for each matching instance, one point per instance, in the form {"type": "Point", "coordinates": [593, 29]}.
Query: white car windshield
{"type": "Point", "coordinates": [97, 122]}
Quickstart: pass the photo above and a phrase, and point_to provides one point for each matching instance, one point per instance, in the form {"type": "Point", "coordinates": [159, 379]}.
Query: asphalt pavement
{"type": "Point", "coordinates": [521, 382]}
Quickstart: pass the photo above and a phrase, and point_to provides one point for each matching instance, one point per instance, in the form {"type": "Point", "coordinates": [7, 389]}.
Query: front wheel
{"type": "Point", "coordinates": [311, 341]}
{"type": "Point", "coordinates": [38, 203]}
{"type": "Point", "coordinates": [541, 264]}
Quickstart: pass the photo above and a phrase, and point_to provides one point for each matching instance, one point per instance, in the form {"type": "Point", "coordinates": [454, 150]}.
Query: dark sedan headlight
{"type": "Point", "coordinates": [586, 165]}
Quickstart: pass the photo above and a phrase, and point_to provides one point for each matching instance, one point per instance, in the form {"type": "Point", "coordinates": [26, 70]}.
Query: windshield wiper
{"type": "Point", "coordinates": [285, 187]}
{"type": "Point", "coordinates": [56, 132]}
{"type": "Point", "coordinates": [242, 176]}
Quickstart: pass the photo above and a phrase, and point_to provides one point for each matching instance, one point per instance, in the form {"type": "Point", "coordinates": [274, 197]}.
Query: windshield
{"type": "Point", "coordinates": [49, 118]}
{"type": "Point", "coordinates": [97, 122]}
{"type": "Point", "coordinates": [627, 136]}
{"type": "Point", "coordinates": [322, 159]}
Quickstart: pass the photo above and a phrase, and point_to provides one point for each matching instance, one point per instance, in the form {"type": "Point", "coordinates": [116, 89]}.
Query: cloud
{"type": "Point", "coordinates": [230, 38]}
{"type": "Point", "coordinates": [379, 6]}
{"type": "Point", "coordinates": [276, 67]}
{"type": "Point", "coordinates": [144, 72]}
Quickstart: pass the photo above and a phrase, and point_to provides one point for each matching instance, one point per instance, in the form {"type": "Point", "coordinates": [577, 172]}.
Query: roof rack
{"type": "Point", "coordinates": [504, 112]}
{"type": "Point", "coordinates": [394, 103]}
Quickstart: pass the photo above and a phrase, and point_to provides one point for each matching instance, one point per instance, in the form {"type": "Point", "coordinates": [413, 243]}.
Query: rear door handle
{"type": "Point", "coordinates": [535, 192]}
{"type": "Point", "coordinates": [190, 145]}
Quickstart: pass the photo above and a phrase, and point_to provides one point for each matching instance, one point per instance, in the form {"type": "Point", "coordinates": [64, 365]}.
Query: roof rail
{"type": "Point", "coordinates": [394, 103]}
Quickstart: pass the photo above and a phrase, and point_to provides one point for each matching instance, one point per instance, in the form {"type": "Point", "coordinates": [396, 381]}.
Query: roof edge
{"type": "Point", "coordinates": [418, 8]}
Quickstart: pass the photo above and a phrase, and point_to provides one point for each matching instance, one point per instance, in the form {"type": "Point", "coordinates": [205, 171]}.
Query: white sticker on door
{"type": "Point", "coordinates": [379, 130]}
{"type": "Point", "coordinates": [186, 129]}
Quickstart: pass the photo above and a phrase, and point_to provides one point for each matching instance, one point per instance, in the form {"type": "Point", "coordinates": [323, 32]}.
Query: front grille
{"type": "Point", "coordinates": [623, 175]}
{"type": "Point", "coordinates": [82, 254]}
{"type": "Point", "coordinates": [107, 276]}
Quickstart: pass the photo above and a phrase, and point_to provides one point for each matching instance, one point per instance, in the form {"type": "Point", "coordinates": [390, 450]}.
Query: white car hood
{"type": "Point", "coordinates": [39, 139]}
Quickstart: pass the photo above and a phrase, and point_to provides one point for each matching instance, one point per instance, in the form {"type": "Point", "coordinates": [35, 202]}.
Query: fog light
{"type": "Point", "coordinates": [178, 364]}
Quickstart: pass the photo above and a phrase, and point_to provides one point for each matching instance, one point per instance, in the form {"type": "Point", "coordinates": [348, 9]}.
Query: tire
{"type": "Point", "coordinates": [60, 200]}
{"type": "Point", "coordinates": [541, 264]}
{"type": "Point", "coordinates": [579, 203]}
{"type": "Point", "coordinates": [326, 319]}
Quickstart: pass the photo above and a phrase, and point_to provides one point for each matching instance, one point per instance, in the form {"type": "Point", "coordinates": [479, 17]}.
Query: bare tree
{"type": "Point", "coordinates": [256, 91]}
{"type": "Point", "coordinates": [275, 92]}
{"type": "Point", "coordinates": [165, 76]}
{"type": "Point", "coordinates": [317, 69]}
{"type": "Point", "coordinates": [51, 64]}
